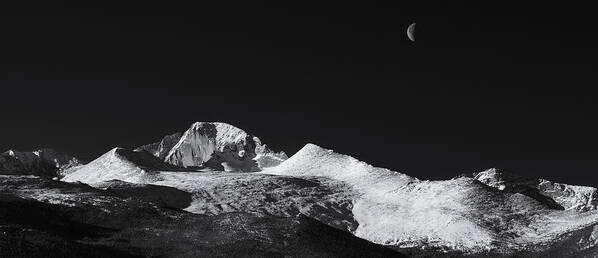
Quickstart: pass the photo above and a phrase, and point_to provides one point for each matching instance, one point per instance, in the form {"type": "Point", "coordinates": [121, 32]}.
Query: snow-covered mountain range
{"type": "Point", "coordinates": [216, 169]}
{"type": "Point", "coordinates": [462, 216]}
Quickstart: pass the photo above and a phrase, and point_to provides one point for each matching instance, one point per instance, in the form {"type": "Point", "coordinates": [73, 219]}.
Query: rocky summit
{"type": "Point", "coordinates": [216, 145]}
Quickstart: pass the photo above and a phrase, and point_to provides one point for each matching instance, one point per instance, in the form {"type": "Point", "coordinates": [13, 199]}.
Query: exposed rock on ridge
{"type": "Point", "coordinates": [44, 162]}
{"type": "Point", "coordinates": [162, 148]}
{"type": "Point", "coordinates": [570, 197]}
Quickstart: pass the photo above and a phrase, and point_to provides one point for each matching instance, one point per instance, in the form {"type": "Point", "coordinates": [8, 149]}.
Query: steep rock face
{"type": "Point", "coordinates": [570, 197]}
{"type": "Point", "coordinates": [216, 145]}
{"type": "Point", "coordinates": [199, 142]}
{"type": "Point", "coordinates": [266, 157]}
{"type": "Point", "coordinates": [162, 148]}
{"type": "Point", "coordinates": [121, 164]}
{"type": "Point", "coordinates": [43, 162]}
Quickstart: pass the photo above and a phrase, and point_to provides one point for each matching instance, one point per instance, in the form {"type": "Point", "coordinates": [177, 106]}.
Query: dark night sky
{"type": "Point", "coordinates": [483, 86]}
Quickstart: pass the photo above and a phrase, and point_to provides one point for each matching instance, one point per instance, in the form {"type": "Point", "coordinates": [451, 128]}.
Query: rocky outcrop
{"type": "Point", "coordinates": [570, 197]}
{"type": "Point", "coordinates": [162, 148]}
{"type": "Point", "coordinates": [266, 157]}
{"type": "Point", "coordinates": [43, 162]}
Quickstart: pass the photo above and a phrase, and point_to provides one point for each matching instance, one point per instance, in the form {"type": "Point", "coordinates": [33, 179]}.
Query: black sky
{"type": "Point", "coordinates": [484, 85]}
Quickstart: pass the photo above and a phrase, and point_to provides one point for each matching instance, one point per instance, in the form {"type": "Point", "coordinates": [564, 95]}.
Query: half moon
{"type": "Point", "coordinates": [411, 32]}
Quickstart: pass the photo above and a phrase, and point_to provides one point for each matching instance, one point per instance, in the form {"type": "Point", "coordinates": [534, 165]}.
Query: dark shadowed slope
{"type": "Point", "coordinates": [43, 162]}
{"type": "Point", "coordinates": [69, 219]}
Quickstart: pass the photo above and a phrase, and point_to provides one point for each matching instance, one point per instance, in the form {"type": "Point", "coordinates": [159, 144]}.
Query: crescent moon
{"type": "Point", "coordinates": [411, 32]}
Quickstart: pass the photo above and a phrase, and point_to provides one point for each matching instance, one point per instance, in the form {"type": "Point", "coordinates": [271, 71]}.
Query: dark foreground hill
{"type": "Point", "coordinates": [45, 218]}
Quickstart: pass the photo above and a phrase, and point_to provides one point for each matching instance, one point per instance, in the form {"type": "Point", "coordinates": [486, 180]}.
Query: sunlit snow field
{"type": "Point", "coordinates": [376, 204]}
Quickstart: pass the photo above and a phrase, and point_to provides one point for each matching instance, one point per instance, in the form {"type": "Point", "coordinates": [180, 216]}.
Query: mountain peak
{"type": "Point", "coordinates": [498, 178]}
{"type": "Point", "coordinates": [313, 160]}
{"type": "Point", "coordinates": [218, 145]}
{"type": "Point", "coordinates": [122, 164]}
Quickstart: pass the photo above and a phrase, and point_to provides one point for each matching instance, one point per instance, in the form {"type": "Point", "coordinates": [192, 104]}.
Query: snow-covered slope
{"type": "Point", "coordinates": [43, 162]}
{"type": "Point", "coordinates": [460, 216]}
{"type": "Point", "coordinates": [220, 146]}
{"type": "Point", "coordinates": [313, 160]}
{"type": "Point", "coordinates": [47, 218]}
{"type": "Point", "coordinates": [215, 193]}
{"type": "Point", "coordinates": [572, 197]}
{"type": "Point", "coordinates": [121, 164]}
{"type": "Point", "coordinates": [485, 215]}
